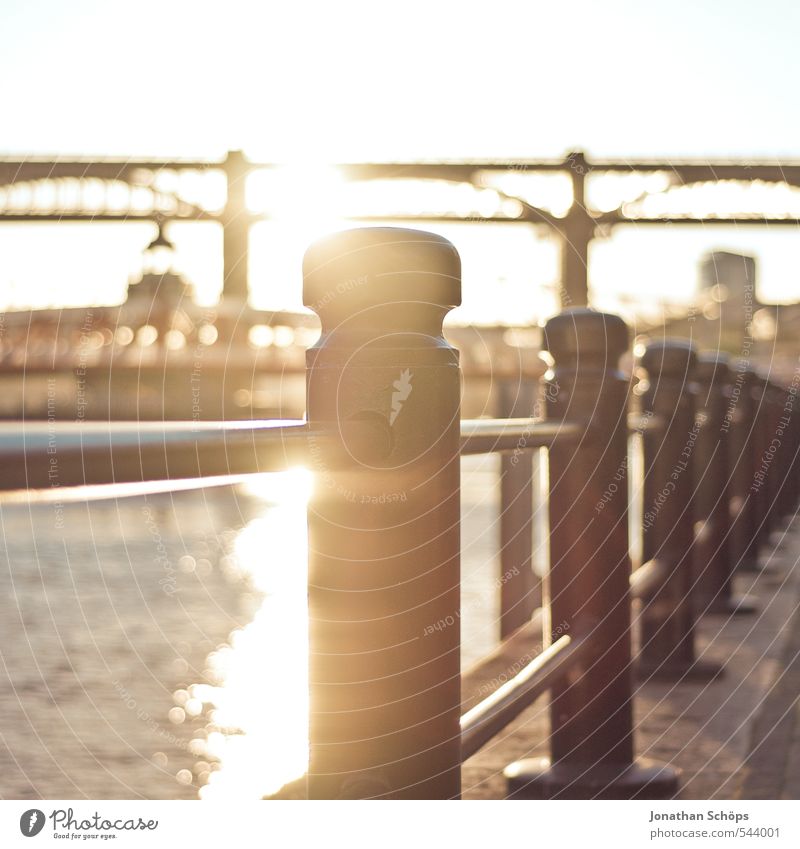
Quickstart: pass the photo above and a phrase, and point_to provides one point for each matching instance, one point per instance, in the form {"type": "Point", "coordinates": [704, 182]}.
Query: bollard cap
{"type": "Point", "coordinates": [583, 335]}
{"type": "Point", "coordinates": [713, 368]}
{"type": "Point", "coordinates": [675, 358]}
{"type": "Point", "coordinates": [355, 270]}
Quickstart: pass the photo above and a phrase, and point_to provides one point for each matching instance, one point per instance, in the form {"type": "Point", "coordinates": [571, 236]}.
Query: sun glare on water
{"type": "Point", "coordinates": [258, 729]}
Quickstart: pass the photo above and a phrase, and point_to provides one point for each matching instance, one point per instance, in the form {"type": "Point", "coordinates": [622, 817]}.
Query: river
{"type": "Point", "coordinates": [155, 646]}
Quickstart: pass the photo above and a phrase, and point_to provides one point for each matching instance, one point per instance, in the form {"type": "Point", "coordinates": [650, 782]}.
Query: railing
{"type": "Point", "coordinates": [384, 439]}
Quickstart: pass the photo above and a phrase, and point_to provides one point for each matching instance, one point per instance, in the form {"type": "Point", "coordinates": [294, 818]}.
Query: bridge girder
{"type": "Point", "coordinates": [576, 229]}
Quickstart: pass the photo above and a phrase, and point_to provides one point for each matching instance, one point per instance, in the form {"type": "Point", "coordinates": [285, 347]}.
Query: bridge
{"type": "Point", "coordinates": [58, 189]}
{"type": "Point", "coordinates": [102, 361]}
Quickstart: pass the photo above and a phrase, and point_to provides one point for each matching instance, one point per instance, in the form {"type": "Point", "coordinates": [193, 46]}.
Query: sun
{"type": "Point", "coordinates": [308, 200]}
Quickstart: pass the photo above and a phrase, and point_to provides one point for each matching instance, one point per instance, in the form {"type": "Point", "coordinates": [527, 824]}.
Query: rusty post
{"type": "Point", "coordinates": [713, 566]}
{"type": "Point", "coordinates": [591, 742]}
{"type": "Point", "coordinates": [384, 535]}
{"type": "Point", "coordinates": [667, 617]}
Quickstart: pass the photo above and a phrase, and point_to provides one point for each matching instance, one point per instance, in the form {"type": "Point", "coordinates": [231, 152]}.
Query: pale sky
{"type": "Point", "coordinates": [326, 82]}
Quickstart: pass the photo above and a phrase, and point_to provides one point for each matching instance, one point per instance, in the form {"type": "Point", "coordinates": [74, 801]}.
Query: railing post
{"type": "Point", "coordinates": [520, 593]}
{"type": "Point", "coordinates": [667, 617]}
{"type": "Point", "coordinates": [775, 455]}
{"type": "Point", "coordinates": [384, 535]}
{"type": "Point", "coordinates": [792, 471]}
{"type": "Point", "coordinates": [781, 421]}
{"type": "Point", "coordinates": [713, 565]}
{"type": "Point", "coordinates": [788, 469]}
{"type": "Point", "coordinates": [744, 430]}
{"type": "Point", "coordinates": [591, 738]}
{"type": "Point", "coordinates": [760, 484]}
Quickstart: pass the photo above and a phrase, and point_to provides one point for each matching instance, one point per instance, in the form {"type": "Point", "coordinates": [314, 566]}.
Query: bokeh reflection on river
{"type": "Point", "coordinates": [259, 699]}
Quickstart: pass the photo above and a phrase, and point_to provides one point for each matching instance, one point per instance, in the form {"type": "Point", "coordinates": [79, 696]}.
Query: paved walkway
{"type": "Point", "coordinates": [735, 737]}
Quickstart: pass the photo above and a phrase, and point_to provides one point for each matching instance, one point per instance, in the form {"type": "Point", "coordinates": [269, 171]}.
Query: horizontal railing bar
{"type": "Point", "coordinates": [494, 713]}
{"type": "Point", "coordinates": [486, 436]}
{"type": "Point", "coordinates": [521, 644]}
{"type": "Point", "coordinates": [648, 578]}
{"type": "Point", "coordinates": [45, 455]}
{"type": "Point", "coordinates": [105, 491]}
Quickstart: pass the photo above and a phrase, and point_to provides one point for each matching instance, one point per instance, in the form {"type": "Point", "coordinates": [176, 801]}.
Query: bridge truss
{"type": "Point", "coordinates": [164, 190]}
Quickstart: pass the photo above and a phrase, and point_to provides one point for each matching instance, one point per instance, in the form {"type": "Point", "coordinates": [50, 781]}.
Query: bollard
{"type": "Point", "coordinates": [760, 483]}
{"type": "Point", "coordinates": [384, 634]}
{"type": "Point", "coordinates": [781, 422]}
{"type": "Point", "coordinates": [744, 428]}
{"type": "Point", "coordinates": [667, 617]}
{"type": "Point", "coordinates": [713, 566]}
{"type": "Point", "coordinates": [520, 591]}
{"type": "Point", "coordinates": [787, 479]}
{"type": "Point", "coordinates": [792, 470]}
{"type": "Point", "coordinates": [776, 455]}
{"type": "Point", "coordinates": [591, 738]}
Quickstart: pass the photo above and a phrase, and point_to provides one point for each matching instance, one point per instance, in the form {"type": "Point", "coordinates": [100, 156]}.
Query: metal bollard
{"type": "Point", "coordinates": [713, 566]}
{"type": "Point", "coordinates": [792, 470]}
{"type": "Point", "coordinates": [384, 553]}
{"type": "Point", "coordinates": [591, 718]}
{"type": "Point", "coordinates": [780, 432]}
{"type": "Point", "coordinates": [760, 483]}
{"type": "Point", "coordinates": [667, 617]}
{"type": "Point", "coordinates": [776, 456]}
{"type": "Point", "coordinates": [788, 424]}
{"type": "Point", "coordinates": [744, 428]}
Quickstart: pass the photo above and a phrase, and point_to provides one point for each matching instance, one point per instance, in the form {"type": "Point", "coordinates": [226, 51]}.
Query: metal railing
{"type": "Point", "coordinates": [384, 439]}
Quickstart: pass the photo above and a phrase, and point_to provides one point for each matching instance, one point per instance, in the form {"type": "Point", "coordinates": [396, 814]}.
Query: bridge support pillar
{"type": "Point", "coordinates": [235, 229]}
{"type": "Point", "coordinates": [577, 234]}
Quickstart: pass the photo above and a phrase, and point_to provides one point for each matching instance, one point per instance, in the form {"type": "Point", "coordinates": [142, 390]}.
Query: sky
{"type": "Point", "coordinates": [346, 81]}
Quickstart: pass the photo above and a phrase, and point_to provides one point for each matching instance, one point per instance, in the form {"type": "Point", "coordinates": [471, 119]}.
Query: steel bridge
{"type": "Point", "coordinates": [56, 189]}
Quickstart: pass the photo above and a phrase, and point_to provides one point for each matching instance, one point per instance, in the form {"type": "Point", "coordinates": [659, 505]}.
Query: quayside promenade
{"type": "Point", "coordinates": [736, 737]}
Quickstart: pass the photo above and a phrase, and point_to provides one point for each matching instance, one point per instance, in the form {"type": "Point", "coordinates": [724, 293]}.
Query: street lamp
{"type": "Point", "coordinates": [158, 255]}
{"type": "Point", "coordinates": [160, 295]}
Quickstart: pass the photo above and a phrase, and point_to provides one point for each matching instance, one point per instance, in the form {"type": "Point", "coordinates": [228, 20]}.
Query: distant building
{"type": "Point", "coordinates": [729, 278]}
{"type": "Point", "coordinates": [728, 295]}
{"type": "Point", "coordinates": [728, 316]}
